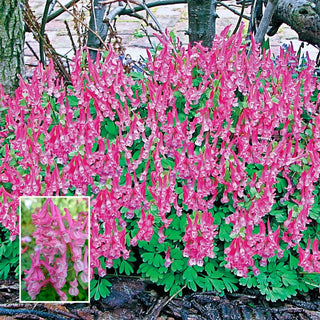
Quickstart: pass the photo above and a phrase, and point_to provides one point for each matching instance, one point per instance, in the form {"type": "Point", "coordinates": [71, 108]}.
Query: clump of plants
{"type": "Point", "coordinates": [203, 170]}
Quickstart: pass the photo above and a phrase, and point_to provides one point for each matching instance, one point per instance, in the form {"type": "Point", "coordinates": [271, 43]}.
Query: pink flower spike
{"type": "Point", "coordinates": [168, 260]}
{"type": "Point", "coordinates": [74, 283]}
{"type": "Point", "coordinates": [69, 219]}
{"type": "Point", "coordinates": [305, 258]}
{"type": "Point", "coordinates": [162, 237]}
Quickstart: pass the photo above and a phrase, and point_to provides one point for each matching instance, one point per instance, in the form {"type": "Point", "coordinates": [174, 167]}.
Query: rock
{"type": "Point", "coordinates": [122, 292]}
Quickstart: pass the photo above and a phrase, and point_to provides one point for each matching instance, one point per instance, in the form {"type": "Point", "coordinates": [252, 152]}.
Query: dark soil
{"type": "Point", "coordinates": [134, 299]}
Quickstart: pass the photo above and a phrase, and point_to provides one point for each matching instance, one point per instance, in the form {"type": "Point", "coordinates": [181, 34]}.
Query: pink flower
{"type": "Point", "coordinates": [73, 290]}
{"type": "Point", "coordinates": [162, 237]}
{"type": "Point", "coordinates": [310, 262]}
{"type": "Point", "coordinates": [145, 225]}
{"type": "Point", "coordinates": [239, 256]}
{"type": "Point", "coordinates": [168, 261]}
{"type": "Point", "coordinates": [199, 239]}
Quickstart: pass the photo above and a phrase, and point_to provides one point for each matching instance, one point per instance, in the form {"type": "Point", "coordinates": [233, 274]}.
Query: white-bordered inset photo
{"type": "Point", "coordinates": [54, 249]}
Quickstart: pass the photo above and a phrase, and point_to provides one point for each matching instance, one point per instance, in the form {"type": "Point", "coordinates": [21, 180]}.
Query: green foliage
{"type": "Point", "coordinates": [138, 34]}
{"type": "Point", "coordinates": [281, 279]}
{"type": "Point", "coordinates": [9, 255]}
{"type": "Point", "coordinates": [99, 288]}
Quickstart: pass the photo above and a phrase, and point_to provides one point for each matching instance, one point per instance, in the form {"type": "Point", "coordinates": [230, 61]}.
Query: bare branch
{"type": "Point", "coordinates": [70, 36]}
{"type": "Point", "coordinates": [81, 22]}
{"type": "Point", "coordinates": [60, 11]}
{"type": "Point", "coordinates": [220, 3]}
{"type": "Point", "coordinates": [125, 11]}
{"type": "Point", "coordinates": [265, 21]}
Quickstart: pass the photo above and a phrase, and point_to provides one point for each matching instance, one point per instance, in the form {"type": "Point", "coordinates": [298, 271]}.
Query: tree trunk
{"type": "Point", "coordinates": [202, 19]}
{"type": "Point", "coordinates": [96, 24]}
{"type": "Point", "coordinates": [11, 44]}
{"type": "Point", "coordinates": [303, 16]}
{"type": "Point", "coordinates": [265, 21]}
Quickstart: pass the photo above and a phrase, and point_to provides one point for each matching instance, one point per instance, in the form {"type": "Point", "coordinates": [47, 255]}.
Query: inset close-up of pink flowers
{"type": "Point", "coordinates": [54, 249]}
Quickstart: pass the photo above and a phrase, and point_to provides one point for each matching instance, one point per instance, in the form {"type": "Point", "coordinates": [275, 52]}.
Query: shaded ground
{"type": "Point", "coordinates": [139, 300]}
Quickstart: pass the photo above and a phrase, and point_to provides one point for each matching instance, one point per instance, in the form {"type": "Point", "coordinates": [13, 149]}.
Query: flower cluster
{"type": "Point", "coordinates": [60, 240]}
{"type": "Point", "coordinates": [199, 239]}
{"type": "Point", "coordinates": [310, 262]}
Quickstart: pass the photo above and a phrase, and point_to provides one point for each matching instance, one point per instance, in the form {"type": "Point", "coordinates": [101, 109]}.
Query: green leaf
{"type": "Point", "coordinates": [103, 263]}
{"type": "Point", "coordinates": [293, 262]}
{"type": "Point", "coordinates": [190, 274]}
{"type": "Point", "coordinates": [176, 254]}
{"type": "Point", "coordinates": [207, 286]}
{"type": "Point", "coordinates": [143, 268]}
{"type": "Point", "coordinates": [97, 295]}
{"type": "Point", "coordinates": [312, 280]}
{"type": "Point", "coordinates": [216, 274]}
{"type": "Point", "coordinates": [278, 293]}
{"type": "Point", "coordinates": [125, 267]}
{"type": "Point", "coordinates": [275, 279]}
{"type": "Point", "coordinates": [92, 292]}
{"type": "Point", "coordinates": [192, 285]}
{"type": "Point", "coordinates": [266, 44]}
{"type": "Point", "coordinates": [248, 281]}
{"type": "Point", "coordinates": [104, 287]}
{"type": "Point", "coordinates": [230, 283]}
{"type": "Point", "coordinates": [153, 274]}
{"type": "Point", "coordinates": [137, 75]}
{"type": "Point", "coordinates": [109, 129]}
{"type": "Point", "coordinates": [224, 232]}
{"type": "Point", "coordinates": [158, 260]}
{"type": "Point", "coordinates": [178, 265]}
{"type": "Point", "coordinates": [269, 294]}
{"type": "Point", "coordinates": [175, 289]}
{"type": "Point", "coordinates": [217, 284]}
{"type": "Point", "coordinates": [105, 282]}
{"type": "Point", "coordinates": [167, 163]}
{"type": "Point", "coordinates": [262, 278]}
{"type": "Point", "coordinates": [210, 268]}
{"type": "Point", "coordinates": [8, 250]}
{"type": "Point", "coordinates": [178, 190]}
{"type": "Point", "coordinates": [73, 102]}
{"type": "Point", "coordinates": [136, 155]}
{"type": "Point", "coordinates": [23, 103]}
{"type": "Point", "coordinates": [2, 250]}
{"type": "Point", "coordinates": [174, 235]}
{"type": "Point", "coordinates": [5, 271]}
{"type": "Point", "coordinates": [290, 279]}
{"type": "Point", "coordinates": [201, 282]}
{"type": "Point", "coordinates": [169, 281]}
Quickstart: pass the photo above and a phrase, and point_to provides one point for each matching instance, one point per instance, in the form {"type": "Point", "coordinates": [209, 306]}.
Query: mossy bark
{"type": "Point", "coordinates": [303, 16]}
{"type": "Point", "coordinates": [202, 21]}
{"type": "Point", "coordinates": [11, 44]}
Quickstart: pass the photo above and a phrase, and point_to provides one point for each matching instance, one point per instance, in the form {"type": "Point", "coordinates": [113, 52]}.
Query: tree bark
{"type": "Point", "coordinates": [202, 21]}
{"type": "Point", "coordinates": [303, 16]}
{"type": "Point", "coordinates": [11, 44]}
{"type": "Point", "coordinates": [265, 21]}
{"type": "Point", "coordinates": [96, 24]}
